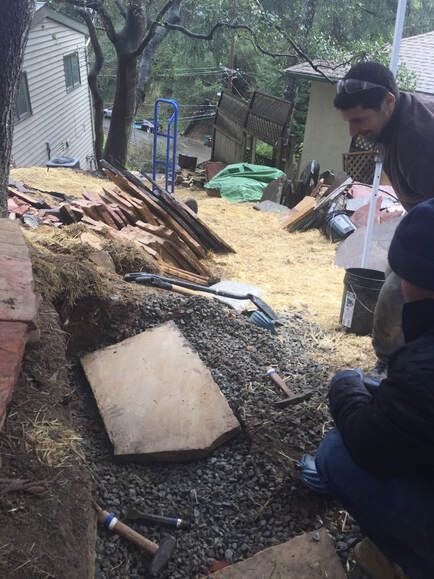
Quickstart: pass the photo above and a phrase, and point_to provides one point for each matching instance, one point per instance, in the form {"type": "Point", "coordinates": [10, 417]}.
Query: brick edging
{"type": "Point", "coordinates": [18, 307]}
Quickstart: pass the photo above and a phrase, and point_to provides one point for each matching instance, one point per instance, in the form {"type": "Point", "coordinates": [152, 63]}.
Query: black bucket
{"type": "Point", "coordinates": [338, 226]}
{"type": "Point", "coordinates": [361, 290]}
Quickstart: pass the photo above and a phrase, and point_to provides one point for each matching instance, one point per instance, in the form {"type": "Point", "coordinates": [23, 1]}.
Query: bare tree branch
{"type": "Point", "coordinates": [153, 28]}
{"type": "Point", "coordinates": [108, 24]}
{"type": "Point", "coordinates": [99, 7]}
{"type": "Point", "coordinates": [294, 45]}
{"type": "Point", "coordinates": [301, 53]}
{"type": "Point", "coordinates": [173, 16]}
{"type": "Point", "coordinates": [220, 25]}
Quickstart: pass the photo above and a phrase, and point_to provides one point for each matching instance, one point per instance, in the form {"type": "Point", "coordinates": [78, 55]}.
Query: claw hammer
{"type": "Point", "coordinates": [291, 399]}
{"type": "Point", "coordinates": [160, 553]}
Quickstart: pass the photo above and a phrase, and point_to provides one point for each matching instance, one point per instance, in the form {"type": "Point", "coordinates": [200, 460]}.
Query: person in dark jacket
{"type": "Point", "coordinates": [401, 128]}
{"type": "Point", "coordinates": [379, 460]}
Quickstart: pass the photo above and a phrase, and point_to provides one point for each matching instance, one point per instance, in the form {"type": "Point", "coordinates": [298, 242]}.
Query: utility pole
{"type": "Point", "coordinates": [231, 63]}
{"type": "Point", "coordinates": [234, 12]}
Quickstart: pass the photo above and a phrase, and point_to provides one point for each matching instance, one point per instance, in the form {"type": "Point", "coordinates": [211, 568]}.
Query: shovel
{"type": "Point", "coordinates": [178, 285]}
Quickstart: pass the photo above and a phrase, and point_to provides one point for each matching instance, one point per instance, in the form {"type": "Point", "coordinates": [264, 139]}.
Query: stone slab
{"type": "Point", "coordinates": [272, 207]}
{"type": "Point", "coordinates": [17, 299]}
{"type": "Point", "coordinates": [157, 399]}
{"type": "Point", "coordinates": [239, 288]}
{"type": "Point", "coordinates": [302, 557]}
{"type": "Point", "coordinates": [13, 337]}
{"type": "Point", "coordinates": [10, 233]}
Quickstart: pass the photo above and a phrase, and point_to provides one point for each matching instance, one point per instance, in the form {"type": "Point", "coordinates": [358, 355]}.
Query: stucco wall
{"type": "Point", "coordinates": [326, 135]}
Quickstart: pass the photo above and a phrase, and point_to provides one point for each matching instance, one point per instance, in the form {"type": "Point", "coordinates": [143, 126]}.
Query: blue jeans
{"type": "Point", "coordinates": [396, 513]}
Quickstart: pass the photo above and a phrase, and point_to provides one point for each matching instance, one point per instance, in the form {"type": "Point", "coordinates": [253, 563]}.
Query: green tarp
{"type": "Point", "coordinates": [243, 181]}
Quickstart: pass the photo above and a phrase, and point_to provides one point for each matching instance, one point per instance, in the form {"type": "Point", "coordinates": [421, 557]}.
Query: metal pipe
{"type": "Point", "coordinates": [394, 59]}
{"type": "Point", "coordinates": [399, 27]}
{"type": "Point", "coordinates": [170, 164]}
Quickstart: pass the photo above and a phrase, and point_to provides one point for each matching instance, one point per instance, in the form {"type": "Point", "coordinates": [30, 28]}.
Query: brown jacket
{"type": "Point", "coordinates": [408, 145]}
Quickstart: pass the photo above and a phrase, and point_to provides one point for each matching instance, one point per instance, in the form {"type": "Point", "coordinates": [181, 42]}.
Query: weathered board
{"type": "Point", "coordinates": [308, 556]}
{"type": "Point", "coordinates": [299, 212]}
{"type": "Point", "coordinates": [156, 397]}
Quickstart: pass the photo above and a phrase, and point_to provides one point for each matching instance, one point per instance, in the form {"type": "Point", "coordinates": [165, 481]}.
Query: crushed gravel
{"type": "Point", "coordinates": [246, 495]}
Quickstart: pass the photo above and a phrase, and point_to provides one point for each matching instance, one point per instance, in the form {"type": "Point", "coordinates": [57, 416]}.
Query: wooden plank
{"type": "Point", "coordinates": [159, 230]}
{"type": "Point", "coordinates": [67, 215]}
{"type": "Point", "coordinates": [93, 197]}
{"type": "Point", "coordinates": [178, 273]}
{"type": "Point", "coordinates": [128, 211]}
{"type": "Point", "coordinates": [177, 412]}
{"type": "Point", "coordinates": [136, 209]}
{"type": "Point", "coordinates": [105, 216]}
{"type": "Point", "coordinates": [118, 212]}
{"type": "Point", "coordinates": [299, 558]}
{"type": "Point", "coordinates": [187, 257]}
{"type": "Point", "coordinates": [301, 210]}
{"type": "Point", "coordinates": [115, 198]}
{"type": "Point", "coordinates": [139, 206]}
{"type": "Point", "coordinates": [184, 212]}
{"type": "Point", "coordinates": [225, 247]}
{"type": "Point", "coordinates": [122, 236]}
{"type": "Point", "coordinates": [194, 245]}
{"type": "Point", "coordinates": [165, 202]}
{"type": "Point", "coordinates": [29, 199]}
{"type": "Point", "coordinates": [179, 254]}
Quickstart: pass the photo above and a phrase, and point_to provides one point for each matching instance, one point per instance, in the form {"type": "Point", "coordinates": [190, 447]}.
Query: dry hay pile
{"type": "Point", "coordinates": [67, 181]}
{"type": "Point", "coordinates": [64, 270]}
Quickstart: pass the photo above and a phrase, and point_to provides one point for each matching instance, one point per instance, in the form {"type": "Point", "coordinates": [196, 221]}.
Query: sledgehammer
{"type": "Point", "coordinates": [160, 553]}
{"type": "Point", "coordinates": [292, 399]}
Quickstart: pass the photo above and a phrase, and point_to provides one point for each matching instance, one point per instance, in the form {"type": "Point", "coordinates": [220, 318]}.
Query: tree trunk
{"type": "Point", "coordinates": [116, 146]}
{"type": "Point", "coordinates": [173, 16]}
{"type": "Point", "coordinates": [92, 79]}
{"type": "Point", "coordinates": [98, 117]}
{"type": "Point", "coordinates": [15, 19]}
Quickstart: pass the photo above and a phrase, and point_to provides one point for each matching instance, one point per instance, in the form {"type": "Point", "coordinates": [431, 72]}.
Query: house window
{"type": "Point", "coordinates": [71, 65]}
{"type": "Point", "coordinates": [23, 108]}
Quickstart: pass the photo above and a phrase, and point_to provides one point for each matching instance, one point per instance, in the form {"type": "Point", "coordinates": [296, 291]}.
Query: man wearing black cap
{"type": "Point", "coordinates": [379, 460]}
{"type": "Point", "coordinates": [402, 129]}
{"type": "Point", "coordinates": [398, 123]}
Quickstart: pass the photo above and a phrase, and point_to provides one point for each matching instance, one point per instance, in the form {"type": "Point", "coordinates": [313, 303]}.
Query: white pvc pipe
{"type": "Point", "coordinates": [372, 212]}
{"type": "Point", "coordinates": [394, 60]}
{"type": "Point", "coordinates": [399, 27]}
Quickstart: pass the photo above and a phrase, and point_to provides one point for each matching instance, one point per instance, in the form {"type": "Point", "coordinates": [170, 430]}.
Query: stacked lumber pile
{"type": "Point", "coordinates": [128, 210]}
{"type": "Point", "coordinates": [312, 209]}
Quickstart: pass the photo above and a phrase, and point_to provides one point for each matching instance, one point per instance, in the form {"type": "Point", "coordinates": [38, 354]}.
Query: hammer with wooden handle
{"type": "Point", "coordinates": [160, 553]}
{"type": "Point", "coordinates": [292, 399]}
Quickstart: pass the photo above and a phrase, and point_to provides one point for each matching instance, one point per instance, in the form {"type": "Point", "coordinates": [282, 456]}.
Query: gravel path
{"type": "Point", "coordinates": [245, 496]}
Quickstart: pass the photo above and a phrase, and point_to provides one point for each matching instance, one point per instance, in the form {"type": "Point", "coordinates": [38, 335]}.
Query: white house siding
{"type": "Point", "coordinates": [326, 135]}
{"type": "Point", "coordinates": [60, 118]}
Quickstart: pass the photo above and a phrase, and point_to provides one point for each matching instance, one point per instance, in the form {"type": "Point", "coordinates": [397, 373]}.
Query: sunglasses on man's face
{"type": "Point", "coordinates": [354, 85]}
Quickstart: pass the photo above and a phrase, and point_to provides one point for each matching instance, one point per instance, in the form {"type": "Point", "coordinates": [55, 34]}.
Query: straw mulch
{"type": "Point", "coordinates": [67, 181]}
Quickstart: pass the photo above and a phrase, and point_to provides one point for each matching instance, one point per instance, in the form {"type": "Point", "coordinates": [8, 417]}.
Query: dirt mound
{"type": "Point", "coordinates": [47, 524]}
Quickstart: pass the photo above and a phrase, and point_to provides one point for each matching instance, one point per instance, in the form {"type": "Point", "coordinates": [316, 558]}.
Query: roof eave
{"type": "Point", "coordinates": [46, 12]}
